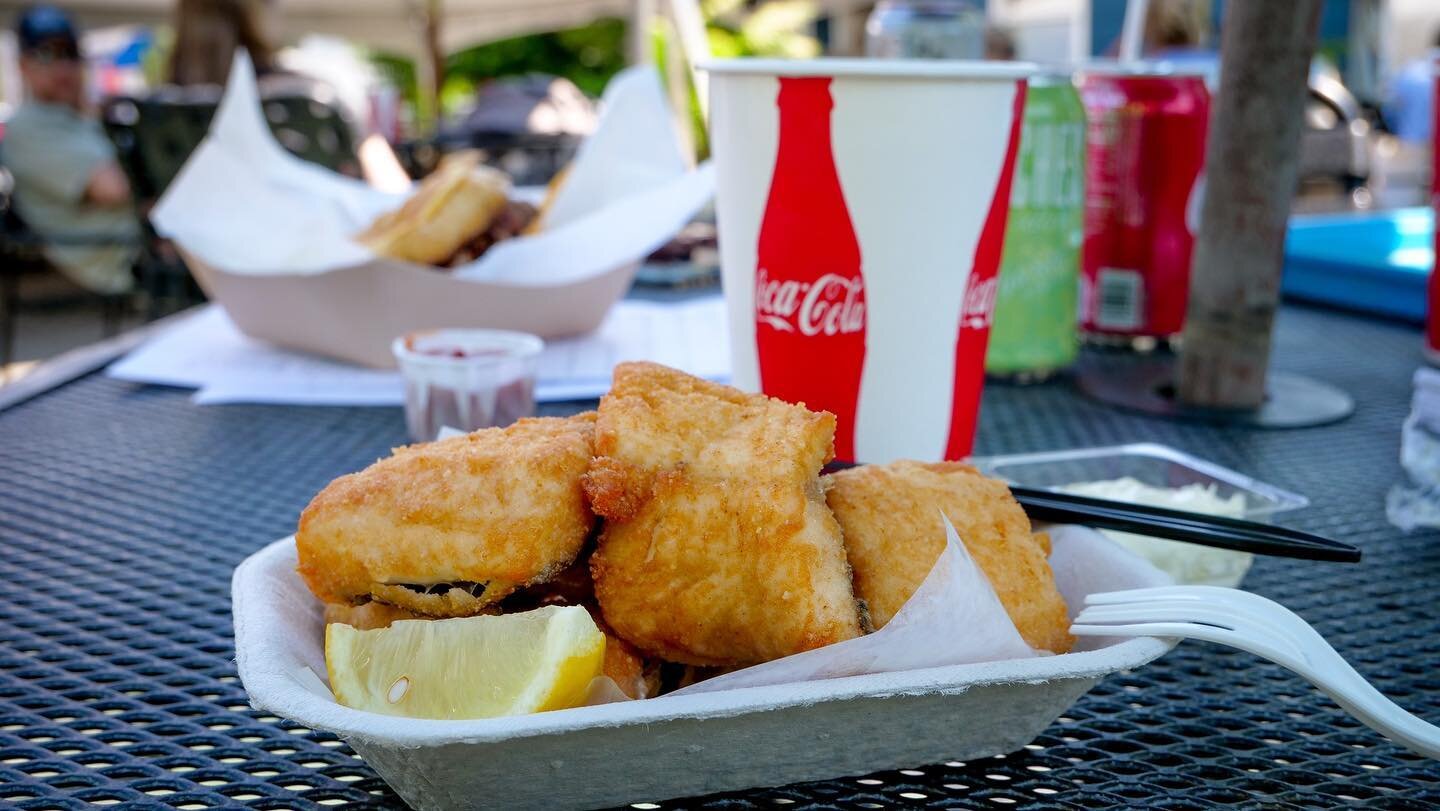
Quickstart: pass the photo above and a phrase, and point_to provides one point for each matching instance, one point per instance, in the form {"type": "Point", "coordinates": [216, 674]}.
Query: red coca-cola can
{"type": "Point", "coordinates": [1144, 156]}
{"type": "Point", "coordinates": [1432, 323]}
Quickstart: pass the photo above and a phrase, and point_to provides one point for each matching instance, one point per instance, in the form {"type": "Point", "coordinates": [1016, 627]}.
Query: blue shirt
{"type": "Point", "coordinates": [1411, 110]}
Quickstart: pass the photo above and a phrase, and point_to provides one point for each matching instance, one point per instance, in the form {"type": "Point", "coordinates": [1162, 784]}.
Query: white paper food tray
{"type": "Point", "coordinates": [673, 746]}
{"type": "Point", "coordinates": [354, 315]}
{"type": "Point", "coordinates": [271, 238]}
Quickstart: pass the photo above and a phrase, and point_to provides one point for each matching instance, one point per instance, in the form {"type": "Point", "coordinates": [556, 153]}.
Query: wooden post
{"type": "Point", "coordinates": [677, 87]}
{"type": "Point", "coordinates": [1251, 164]}
{"type": "Point", "coordinates": [638, 44]}
{"type": "Point", "coordinates": [430, 67]}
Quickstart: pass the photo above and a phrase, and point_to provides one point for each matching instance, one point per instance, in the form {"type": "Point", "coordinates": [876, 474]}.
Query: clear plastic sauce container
{"type": "Point", "coordinates": [1153, 464]}
{"type": "Point", "coordinates": [1147, 473]}
{"type": "Point", "coordinates": [466, 378]}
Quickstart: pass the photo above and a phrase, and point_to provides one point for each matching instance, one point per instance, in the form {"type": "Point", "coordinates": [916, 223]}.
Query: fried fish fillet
{"type": "Point", "coordinates": [457, 202]}
{"type": "Point", "coordinates": [717, 547]}
{"type": "Point", "coordinates": [447, 528]}
{"type": "Point", "coordinates": [367, 616]}
{"type": "Point", "coordinates": [893, 536]}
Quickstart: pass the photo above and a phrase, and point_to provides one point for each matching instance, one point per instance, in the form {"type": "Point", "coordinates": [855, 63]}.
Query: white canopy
{"type": "Point", "coordinates": [388, 25]}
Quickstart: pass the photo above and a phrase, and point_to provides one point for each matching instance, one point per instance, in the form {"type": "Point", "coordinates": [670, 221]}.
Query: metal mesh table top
{"type": "Point", "coordinates": [124, 509]}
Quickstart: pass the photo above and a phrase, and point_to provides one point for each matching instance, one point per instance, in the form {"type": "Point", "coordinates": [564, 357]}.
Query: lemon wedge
{"type": "Point", "coordinates": [472, 667]}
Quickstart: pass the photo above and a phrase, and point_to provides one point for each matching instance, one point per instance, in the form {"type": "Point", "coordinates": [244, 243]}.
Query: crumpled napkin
{"type": "Point", "coordinates": [1415, 501]}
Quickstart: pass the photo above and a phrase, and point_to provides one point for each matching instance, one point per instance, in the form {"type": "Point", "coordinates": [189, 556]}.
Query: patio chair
{"type": "Point", "coordinates": [155, 134]}
{"type": "Point", "coordinates": [22, 253]}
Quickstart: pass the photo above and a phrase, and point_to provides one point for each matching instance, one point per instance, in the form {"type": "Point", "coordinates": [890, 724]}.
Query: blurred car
{"type": "Point", "coordinates": [1335, 143]}
{"type": "Point", "coordinates": [529, 126]}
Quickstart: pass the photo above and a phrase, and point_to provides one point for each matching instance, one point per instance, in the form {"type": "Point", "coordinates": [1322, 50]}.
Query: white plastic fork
{"type": "Point", "coordinates": [1262, 627]}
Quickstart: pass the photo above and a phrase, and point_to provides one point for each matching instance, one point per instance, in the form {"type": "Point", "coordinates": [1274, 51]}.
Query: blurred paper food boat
{"type": "Point", "coordinates": [270, 237]}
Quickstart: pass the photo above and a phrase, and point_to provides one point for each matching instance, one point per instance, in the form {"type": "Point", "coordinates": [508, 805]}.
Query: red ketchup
{"type": "Point", "coordinates": [496, 392]}
{"type": "Point", "coordinates": [809, 291]}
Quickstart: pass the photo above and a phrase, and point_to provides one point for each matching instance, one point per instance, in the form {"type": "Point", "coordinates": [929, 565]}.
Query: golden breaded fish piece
{"type": "Point", "coordinates": [893, 536]}
{"type": "Point", "coordinates": [447, 528]}
{"type": "Point", "coordinates": [367, 616]}
{"type": "Point", "coordinates": [717, 547]}
{"type": "Point", "coordinates": [456, 202]}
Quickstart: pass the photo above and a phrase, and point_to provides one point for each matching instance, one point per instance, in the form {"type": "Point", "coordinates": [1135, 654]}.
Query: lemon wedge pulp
{"type": "Point", "coordinates": [472, 667]}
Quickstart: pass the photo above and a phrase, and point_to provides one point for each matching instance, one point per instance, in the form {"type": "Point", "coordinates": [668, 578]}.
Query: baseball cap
{"type": "Point", "coordinates": [47, 30]}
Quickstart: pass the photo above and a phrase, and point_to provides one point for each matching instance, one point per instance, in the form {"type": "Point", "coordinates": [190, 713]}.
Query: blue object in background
{"type": "Point", "coordinates": [1107, 17]}
{"type": "Point", "coordinates": [133, 54]}
{"type": "Point", "coordinates": [1409, 108]}
{"type": "Point", "coordinates": [1376, 262]}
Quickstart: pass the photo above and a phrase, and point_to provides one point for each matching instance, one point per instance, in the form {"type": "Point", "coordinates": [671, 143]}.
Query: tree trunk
{"type": "Point", "coordinates": [431, 65]}
{"type": "Point", "coordinates": [1251, 163]}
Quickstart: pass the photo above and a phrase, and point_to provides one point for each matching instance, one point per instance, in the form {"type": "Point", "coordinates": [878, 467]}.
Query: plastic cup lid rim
{"type": "Point", "coordinates": [876, 68]}
{"type": "Point", "coordinates": [941, 68]}
{"type": "Point", "coordinates": [503, 345]}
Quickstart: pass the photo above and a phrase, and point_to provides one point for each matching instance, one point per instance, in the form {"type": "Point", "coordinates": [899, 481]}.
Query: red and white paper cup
{"type": "Point", "coordinates": [861, 208]}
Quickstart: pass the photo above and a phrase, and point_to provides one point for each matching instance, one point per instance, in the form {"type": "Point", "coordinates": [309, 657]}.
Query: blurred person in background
{"type": "Point", "coordinates": [1410, 111]}
{"type": "Point", "coordinates": [1176, 32]}
{"type": "Point", "coordinates": [207, 34]}
{"type": "Point", "coordinates": [68, 184]}
{"type": "Point", "coordinates": [1174, 25]}
{"type": "Point", "coordinates": [999, 43]}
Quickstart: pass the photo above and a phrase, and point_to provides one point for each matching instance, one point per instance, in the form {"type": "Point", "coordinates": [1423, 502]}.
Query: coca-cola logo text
{"type": "Point", "coordinates": [979, 304]}
{"type": "Point", "coordinates": [831, 305]}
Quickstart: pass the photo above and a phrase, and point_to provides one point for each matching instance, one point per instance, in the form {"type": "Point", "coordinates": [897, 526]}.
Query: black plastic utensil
{"type": "Point", "coordinates": [1207, 530]}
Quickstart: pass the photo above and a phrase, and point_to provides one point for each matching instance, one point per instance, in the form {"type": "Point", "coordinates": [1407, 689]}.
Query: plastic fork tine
{"type": "Point", "coordinates": [1180, 611]}
{"type": "Point", "coordinates": [1177, 629]}
{"type": "Point", "coordinates": [1145, 595]}
{"type": "Point", "coordinates": [1102, 615]}
{"type": "Point", "coordinates": [1252, 623]}
{"type": "Point", "coordinates": [1219, 616]}
{"type": "Point", "coordinates": [1265, 648]}
{"type": "Point", "coordinates": [1264, 629]}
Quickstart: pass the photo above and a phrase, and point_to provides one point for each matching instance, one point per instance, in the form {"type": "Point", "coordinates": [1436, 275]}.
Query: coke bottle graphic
{"type": "Point", "coordinates": [809, 291]}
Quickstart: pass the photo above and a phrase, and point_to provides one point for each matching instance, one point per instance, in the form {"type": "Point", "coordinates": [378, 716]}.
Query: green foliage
{"type": "Point", "coordinates": [155, 62]}
{"type": "Point", "coordinates": [591, 54]}
{"type": "Point", "coordinates": [662, 39]}
{"type": "Point", "coordinates": [778, 28]}
{"type": "Point", "coordinates": [587, 56]}
{"type": "Point", "coordinates": [398, 71]}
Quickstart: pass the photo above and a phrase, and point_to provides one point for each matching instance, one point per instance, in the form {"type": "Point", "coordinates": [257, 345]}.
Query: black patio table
{"type": "Point", "coordinates": [124, 509]}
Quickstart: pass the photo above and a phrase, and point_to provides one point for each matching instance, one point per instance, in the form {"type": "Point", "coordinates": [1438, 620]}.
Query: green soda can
{"type": "Point", "coordinates": [1033, 332]}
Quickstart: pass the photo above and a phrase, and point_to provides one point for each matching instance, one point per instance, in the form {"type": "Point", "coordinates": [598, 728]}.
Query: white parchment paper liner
{"type": "Point", "coordinates": [243, 204]}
